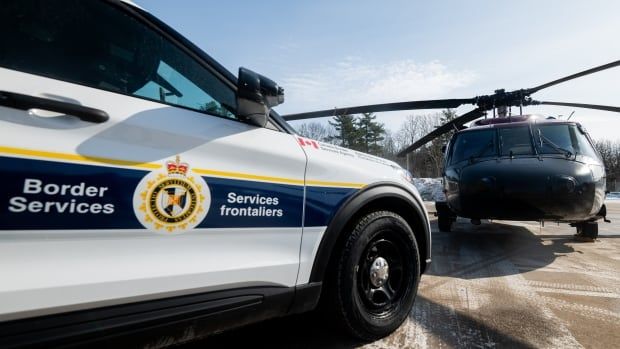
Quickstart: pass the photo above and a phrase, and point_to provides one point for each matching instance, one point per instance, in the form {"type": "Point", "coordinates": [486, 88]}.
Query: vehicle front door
{"type": "Point", "coordinates": [171, 195]}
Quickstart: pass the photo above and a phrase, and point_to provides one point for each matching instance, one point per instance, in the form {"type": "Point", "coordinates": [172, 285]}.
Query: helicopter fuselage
{"type": "Point", "coordinates": [526, 170]}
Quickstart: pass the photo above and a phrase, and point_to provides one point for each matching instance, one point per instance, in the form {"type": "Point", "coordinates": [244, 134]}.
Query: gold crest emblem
{"type": "Point", "coordinates": [174, 201]}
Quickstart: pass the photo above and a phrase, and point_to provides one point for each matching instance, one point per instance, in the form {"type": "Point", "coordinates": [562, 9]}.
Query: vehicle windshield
{"type": "Point", "coordinates": [472, 145]}
{"type": "Point", "coordinates": [562, 139]}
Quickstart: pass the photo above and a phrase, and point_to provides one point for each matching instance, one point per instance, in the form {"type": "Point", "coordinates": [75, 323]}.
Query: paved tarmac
{"type": "Point", "coordinates": [500, 284]}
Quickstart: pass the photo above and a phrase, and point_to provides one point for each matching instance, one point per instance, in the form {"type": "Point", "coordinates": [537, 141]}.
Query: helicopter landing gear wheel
{"type": "Point", "coordinates": [586, 231]}
{"type": "Point", "coordinates": [444, 223]}
{"type": "Point", "coordinates": [445, 216]}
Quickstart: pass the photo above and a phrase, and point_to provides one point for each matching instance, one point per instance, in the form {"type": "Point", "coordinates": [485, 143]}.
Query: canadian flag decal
{"type": "Point", "coordinates": [308, 142]}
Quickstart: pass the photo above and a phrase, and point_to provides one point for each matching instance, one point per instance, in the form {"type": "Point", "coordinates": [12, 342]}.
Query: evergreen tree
{"type": "Point", "coordinates": [215, 108]}
{"type": "Point", "coordinates": [447, 115]}
{"type": "Point", "coordinates": [347, 134]}
{"type": "Point", "coordinates": [371, 134]}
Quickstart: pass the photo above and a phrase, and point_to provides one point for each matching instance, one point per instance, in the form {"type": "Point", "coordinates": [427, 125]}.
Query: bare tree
{"type": "Point", "coordinates": [428, 160]}
{"type": "Point", "coordinates": [414, 127]}
{"type": "Point", "coordinates": [389, 147]}
{"type": "Point", "coordinates": [316, 130]}
{"type": "Point", "coordinates": [610, 154]}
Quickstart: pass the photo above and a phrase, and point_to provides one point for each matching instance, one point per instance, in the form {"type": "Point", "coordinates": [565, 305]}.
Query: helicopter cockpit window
{"type": "Point", "coordinates": [473, 145]}
{"type": "Point", "coordinates": [562, 139]}
{"type": "Point", "coordinates": [584, 143]}
{"type": "Point", "coordinates": [554, 139]}
{"type": "Point", "coordinates": [515, 141]}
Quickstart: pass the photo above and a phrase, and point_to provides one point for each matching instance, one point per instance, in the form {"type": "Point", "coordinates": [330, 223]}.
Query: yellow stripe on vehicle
{"type": "Point", "coordinates": [151, 166]}
{"type": "Point", "coordinates": [75, 157]}
{"type": "Point", "coordinates": [238, 175]}
{"type": "Point", "coordinates": [334, 184]}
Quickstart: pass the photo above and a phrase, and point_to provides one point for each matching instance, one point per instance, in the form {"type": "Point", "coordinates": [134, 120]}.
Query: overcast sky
{"type": "Point", "coordinates": [345, 53]}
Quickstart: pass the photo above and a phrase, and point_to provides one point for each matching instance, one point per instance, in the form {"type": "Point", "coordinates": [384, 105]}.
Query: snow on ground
{"type": "Point", "coordinates": [614, 195]}
{"type": "Point", "coordinates": [430, 189]}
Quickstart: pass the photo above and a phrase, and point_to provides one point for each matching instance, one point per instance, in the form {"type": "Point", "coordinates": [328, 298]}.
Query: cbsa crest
{"type": "Point", "coordinates": [172, 200]}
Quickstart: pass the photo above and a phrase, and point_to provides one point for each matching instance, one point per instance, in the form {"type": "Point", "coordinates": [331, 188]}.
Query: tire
{"type": "Point", "coordinates": [372, 306]}
{"type": "Point", "coordinates": [444, 223]}
{"type": "Point", "coordinates": [445, 216]}
{"type": "Point", "coordinates": [587, 231]}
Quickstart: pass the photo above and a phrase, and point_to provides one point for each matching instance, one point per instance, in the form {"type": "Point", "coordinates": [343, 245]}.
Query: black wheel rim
{"type": "Point", "coordinates": [381, 299]}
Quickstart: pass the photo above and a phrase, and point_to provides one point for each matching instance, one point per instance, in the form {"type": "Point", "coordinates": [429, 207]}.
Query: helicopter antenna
{"type": "Point", "coordinates": [502, 111]}
{"type": "Point", "coordinates": [571, 115]}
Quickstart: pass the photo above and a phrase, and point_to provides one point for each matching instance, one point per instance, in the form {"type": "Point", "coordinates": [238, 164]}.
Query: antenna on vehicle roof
{"type": "Point", "coordinates": [571, 115]}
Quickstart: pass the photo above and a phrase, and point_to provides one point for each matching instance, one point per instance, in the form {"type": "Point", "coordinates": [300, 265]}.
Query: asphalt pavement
{"type": "Point", "coordinates": [500, 284]}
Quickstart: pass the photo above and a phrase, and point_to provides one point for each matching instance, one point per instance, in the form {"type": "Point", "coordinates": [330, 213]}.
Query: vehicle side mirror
{"type": "Point", "coordinates": [256, 95]}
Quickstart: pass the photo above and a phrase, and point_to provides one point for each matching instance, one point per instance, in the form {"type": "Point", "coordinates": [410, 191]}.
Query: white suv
{"type": "Point", "coordinates": [148, 193]}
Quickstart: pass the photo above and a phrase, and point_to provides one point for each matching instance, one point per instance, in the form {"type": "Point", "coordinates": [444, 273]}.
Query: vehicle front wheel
{"type": "Point", "coordinates": [376, 276]}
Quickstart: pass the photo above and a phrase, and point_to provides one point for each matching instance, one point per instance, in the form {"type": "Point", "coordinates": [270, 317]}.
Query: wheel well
{"type": "Point", "coordinates": [394, 204]}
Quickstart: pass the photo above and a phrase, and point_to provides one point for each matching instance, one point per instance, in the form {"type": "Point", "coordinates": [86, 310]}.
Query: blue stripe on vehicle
{"type": "Point", "coordinates": [322, 202]}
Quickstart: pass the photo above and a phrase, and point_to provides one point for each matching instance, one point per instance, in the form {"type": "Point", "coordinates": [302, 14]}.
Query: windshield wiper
{"type": "Point", "coordinates": [557, 148]}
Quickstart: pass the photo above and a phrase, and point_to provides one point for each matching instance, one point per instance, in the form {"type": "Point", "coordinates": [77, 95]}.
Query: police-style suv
{"type": "Point", "coordinates": [148, 193]}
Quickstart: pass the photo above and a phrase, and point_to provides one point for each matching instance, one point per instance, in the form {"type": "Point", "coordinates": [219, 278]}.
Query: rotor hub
{"type": "Point", "coordinates": [501, 98]}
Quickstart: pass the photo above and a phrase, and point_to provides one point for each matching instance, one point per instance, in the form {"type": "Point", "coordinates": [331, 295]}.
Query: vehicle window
{"type": "Point", "coordinates": [474, 144]}
{"type": "Point", "coordinates": [95, 44]}
{"type": "Point", "coordinates": [515, 141]}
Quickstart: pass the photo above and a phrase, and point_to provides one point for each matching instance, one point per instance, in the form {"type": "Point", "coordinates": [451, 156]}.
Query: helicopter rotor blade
{"type": "Point", "coordinates": [581, 105]}
{"type": "Point", "coordinates": [443, 129]}
{"type": "Point", "coordinates": [374, 108]}
{"type": "Point", "coordinates": [574, 76]}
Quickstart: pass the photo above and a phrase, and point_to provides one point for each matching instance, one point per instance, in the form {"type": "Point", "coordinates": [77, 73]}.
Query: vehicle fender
{"type": "Point", "coordinates": [378, 196]}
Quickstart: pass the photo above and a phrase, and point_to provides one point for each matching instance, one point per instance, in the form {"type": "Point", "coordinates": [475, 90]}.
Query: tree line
{"type": "Point", "coordinates": [610, 153]}
{"type": "Point", "coordinates": [364, 133]}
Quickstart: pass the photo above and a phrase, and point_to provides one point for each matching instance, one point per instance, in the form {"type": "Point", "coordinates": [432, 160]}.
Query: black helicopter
{"type": "Point", "coordinates": [520, 167]}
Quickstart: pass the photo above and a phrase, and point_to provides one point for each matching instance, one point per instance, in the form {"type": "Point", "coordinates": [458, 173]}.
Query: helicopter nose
{"type": "Point", "coordinates": [487, 183]}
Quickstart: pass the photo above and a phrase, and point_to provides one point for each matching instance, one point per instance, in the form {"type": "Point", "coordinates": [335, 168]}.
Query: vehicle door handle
{"type": "Point", "coordinates": [26, 102]}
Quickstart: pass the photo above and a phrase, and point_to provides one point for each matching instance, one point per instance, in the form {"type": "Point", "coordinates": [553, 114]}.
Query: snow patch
{"type": "Point", "coordinates": [430, 189]}
{"type": "Point", "coordinates": [614, 195]}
